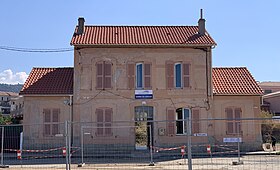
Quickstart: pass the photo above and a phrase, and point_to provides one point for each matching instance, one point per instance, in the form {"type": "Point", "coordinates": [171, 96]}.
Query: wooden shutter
{"type": "Point", "coordinates": [170, 128]}
{"type": "Point", "coordinates": [195, 121]}
{"type": "Point", "coordinates": [147, 75]}
{"type": "Point", "coordinates": [186, 75]}
{"type": "Point", "coordinates": [229, 115]}
{"type": "Point", "coordinates": [100, 120]}
{"type": "Point", "coordinates": [131, 75]}
{"type": "Point", "coordinates": [108, 121]}
{"type": "Point", "coordinates": [47, 119]}
{"type": "Point", "coordinates": [169, 66]}
{"type": "Point", "coordinates": [99, 75]}
{"type": "Point", "coordinates": [107, 75]}
{"type": "Point", "coordinates": [55, 120]}
{"type": "Point", "coordinates": [237, 115]}
{"type": "Point", "coordinates": [47, 115]}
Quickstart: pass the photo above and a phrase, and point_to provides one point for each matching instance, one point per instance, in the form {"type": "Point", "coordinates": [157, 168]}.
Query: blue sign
{"type": "Point", "coordinates": [232, 140]}
{"type": "Point", "coordinates": [143, 94]}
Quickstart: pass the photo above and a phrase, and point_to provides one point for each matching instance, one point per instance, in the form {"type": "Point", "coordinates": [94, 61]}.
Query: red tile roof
{"type": "Point", "coordinates": [47, 81]}
{"type": "Point", "coordinates": [142, 35]}
{"type": "Point", "coordinates": [234, 81]}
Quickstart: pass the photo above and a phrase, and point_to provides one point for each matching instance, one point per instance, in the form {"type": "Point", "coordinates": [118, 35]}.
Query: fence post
{"type": "Point", "coordinates": [2, 149]}
{"type": "Point", "coordinates": [189, 145]}
{"type": "Point", "coordinates": [151, 147]}
{"type": "Point", "coordinates": [66, 145]}
{"type": "Point", "coordinates": [82, 148]}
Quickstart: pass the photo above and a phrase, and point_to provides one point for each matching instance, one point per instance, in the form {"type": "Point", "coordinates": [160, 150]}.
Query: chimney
{"type": "Point", "coordinates": [201, 24]}
{"type": "Point", "coordinates": [81, 25]}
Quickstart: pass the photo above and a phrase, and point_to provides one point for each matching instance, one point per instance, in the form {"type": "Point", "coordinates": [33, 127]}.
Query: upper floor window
{"type": "Point", "coordinates": [51, 121]}
{"type": "Point", "coordinates": [177, 75]}
{"type": "Point", "coordinates": [139, 75]}
{"type": "Point", "coordinates": [104, 121]}
{"type": "Point", "coordinates": [103, 75]}
{"type": "Point", "coordinates": [233, 123]}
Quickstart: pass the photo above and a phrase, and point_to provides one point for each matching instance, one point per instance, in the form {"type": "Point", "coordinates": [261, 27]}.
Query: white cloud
{"type": "Point", "coordinates": [8, 77]}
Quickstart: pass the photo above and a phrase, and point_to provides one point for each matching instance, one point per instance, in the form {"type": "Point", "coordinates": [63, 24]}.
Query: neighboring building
{"type": "Point", "coordinates": [236, 96]}
{"type": "Point", "coordinates": [17, 105]}
{"type": "Point", "coordinates": [46, 93]}
{"type": "Point", "coordinates": [5, 102]}
{"type": "Point", "coordinates": [269, 86]}
{"type": "Point", "coordinates": [272, 101]}
{"type": "Point", "coordinates": [271, 98]}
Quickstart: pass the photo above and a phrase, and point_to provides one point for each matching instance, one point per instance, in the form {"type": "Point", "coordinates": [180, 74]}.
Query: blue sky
{"type": "Point", "coordinates": [247, 32]}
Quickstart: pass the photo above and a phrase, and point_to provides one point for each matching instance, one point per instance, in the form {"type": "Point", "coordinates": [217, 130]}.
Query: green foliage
{"type": "Point", "coordinates": [4, 120]}
{"type": "Point", "coordinates": [141, 133]}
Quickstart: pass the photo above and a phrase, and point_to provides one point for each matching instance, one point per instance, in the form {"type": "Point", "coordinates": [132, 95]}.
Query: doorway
{"type": "Point", "coordinates": [143, 127]}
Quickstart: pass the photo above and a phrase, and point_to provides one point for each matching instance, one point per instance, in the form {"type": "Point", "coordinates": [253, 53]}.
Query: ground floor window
{"type": "Point", "coordinates": [104, 121]}
{"type": "Point", "coordinates": [51, 121]}
{"type": "Point", "coordinates": [233, 123]}
{"type": "Point", "coordinates": [177, 121]}
{"type": "Point", "coordinates": [182, 117]}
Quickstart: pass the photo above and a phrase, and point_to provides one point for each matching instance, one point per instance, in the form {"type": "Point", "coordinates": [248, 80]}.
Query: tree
{"type": "Point", "coordinates": [4, 120]}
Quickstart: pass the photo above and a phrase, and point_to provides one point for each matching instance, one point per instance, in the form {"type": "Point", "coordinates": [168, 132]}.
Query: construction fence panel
{"type": "Point", "coordinates": [39, 146]}
{"type": "Point", "coordinates": [213, 144]}
{"type": "Point", "coordinates": [143, 144]}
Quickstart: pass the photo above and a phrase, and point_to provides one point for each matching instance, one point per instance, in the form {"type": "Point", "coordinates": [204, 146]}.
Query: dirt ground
{"type": "Point", "coordinates": [256, 162]}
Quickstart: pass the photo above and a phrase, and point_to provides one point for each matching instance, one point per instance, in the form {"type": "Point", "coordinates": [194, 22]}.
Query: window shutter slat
{"type": "Point", "coordinates": [47, 129]}
{"type": "Point", "coordinates": [170, 121]}
{"type": "Point", "coordinates": [147, 75]}
{"type": "Point", "coordinates": [131, 75]}
{"type": "Point", "coordinates": [108, 120]}
{"type": "Point", "coordinates": [107, 75]}
{"type": "Point", "coordinates": [55, 115]}
{"type": "Point", "coordinates": [99, 119]}
{"type": "Point", "coordinates": [186, 75]}
{"type": "Point", "coordinates": [99, 75]}
{"type": "Point", "coordinates": [237, 113]}
{"type": "Point", "coordinates": [169, 74]}
{"type": "Point", "coordinates": [230, 127]}
{"type": "Point", "coordinates": [47, 115]}
{"type": "Point", "coordinates": [229, 115]}
{"type": "Point", "coordinates": [55, 129]}
{"type": "Point", "coordinates": [195, 121]}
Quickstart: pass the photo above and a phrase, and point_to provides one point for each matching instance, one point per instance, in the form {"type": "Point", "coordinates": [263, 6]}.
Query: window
{"type": "Point", "coordinates": [182, 115]}
{"type": "Point", "coordinates": [233, 122]}
{"type": "Point", "coordinates": [177, 120]}
{"type": "Point", "coordinates": [51, 121]}
{"type": "Point", "coordinates": [139, 75]}
{"type": "Point", "coordinates": [103, 75]}
{"type": "Point", "coordinates": [104, 121]}
{"type": "Point", "coordinates": [177, 75]}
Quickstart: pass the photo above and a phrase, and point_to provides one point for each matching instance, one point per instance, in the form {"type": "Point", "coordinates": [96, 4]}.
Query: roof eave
{"type": "Point", "coordinates": [215, 94]}
{"type": "Point", "coordinates": [143, 45]}
{"type": "Point", "coordinates": [46, 95]}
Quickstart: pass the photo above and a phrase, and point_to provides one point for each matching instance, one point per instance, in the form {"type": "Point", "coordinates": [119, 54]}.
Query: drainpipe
{"type": "Point", "coordinates": [71, 116]}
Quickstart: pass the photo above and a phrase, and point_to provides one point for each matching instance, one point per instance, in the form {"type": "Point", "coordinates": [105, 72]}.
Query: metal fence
{"type": "Point", "coordinates": [216, 144]}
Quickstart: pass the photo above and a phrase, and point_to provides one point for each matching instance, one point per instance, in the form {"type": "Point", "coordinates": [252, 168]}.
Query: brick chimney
{"type": "Point", "coordinates": [81, 25]}
{"type": "Point", "coordinates": [201, 24]}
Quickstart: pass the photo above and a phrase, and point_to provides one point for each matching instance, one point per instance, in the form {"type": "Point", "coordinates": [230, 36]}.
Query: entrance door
{"type": "Point", "coordinates": [144, 125]}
